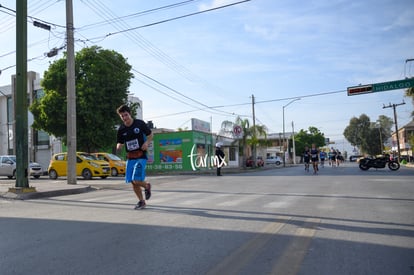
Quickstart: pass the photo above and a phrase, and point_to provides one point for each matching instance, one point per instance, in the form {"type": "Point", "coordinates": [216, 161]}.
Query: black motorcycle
{"type": "Point", "coordinates": [380, 162]}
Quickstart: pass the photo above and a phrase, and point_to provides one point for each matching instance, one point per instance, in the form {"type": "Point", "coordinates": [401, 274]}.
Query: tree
{"type": "Point", "coordinates": [307, 138]}
{"type": "Point", "coordinates": [368, 136]}
{"type": "Point", "coordinates": [410, 93]}
{"type": "Point", "coordinates": [102, 81]}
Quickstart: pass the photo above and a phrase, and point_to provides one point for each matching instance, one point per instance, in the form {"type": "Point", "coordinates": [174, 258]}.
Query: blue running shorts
{"type": "Point", "coordinates": [135, 170]}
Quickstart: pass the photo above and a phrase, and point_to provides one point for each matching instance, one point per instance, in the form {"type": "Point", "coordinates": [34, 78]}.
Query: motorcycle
{"type": "Point", "coordinates": [380, 162]}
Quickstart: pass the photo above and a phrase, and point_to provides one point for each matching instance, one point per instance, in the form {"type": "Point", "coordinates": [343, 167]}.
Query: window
{"type": "Point", "coordinates": [232, 153]}
{"type": "Point", "coordinates": [41, 138]}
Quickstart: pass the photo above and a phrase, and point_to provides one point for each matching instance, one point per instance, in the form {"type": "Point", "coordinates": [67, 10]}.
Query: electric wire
{"type": "Point", "coordinates": [146, 45]}
{"type": "Point", "coordinates": [32, 18]}
{"type": "Point", "coordinates": [206, 108]}
{"type": "Point", "coordinates": [169, 6]}
{"type": "Point", "coordinates": [176, 18]}
{"type": "Point", "coordinates": [133, 15]}
{"type": "Point", "coordinates": [106, 13]}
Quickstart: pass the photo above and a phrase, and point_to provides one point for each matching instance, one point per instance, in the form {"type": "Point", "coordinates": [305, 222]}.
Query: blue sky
{"type": "Point", "coordinates": [209, 65]}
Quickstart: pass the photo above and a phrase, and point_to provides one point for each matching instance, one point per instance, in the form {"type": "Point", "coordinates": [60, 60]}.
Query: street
{"type": "Point", "coordinates": [275, 221]}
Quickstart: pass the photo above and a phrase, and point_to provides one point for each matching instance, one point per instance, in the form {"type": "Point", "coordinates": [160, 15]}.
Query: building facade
{"type": "Point", "coordinates": [405, 134]}
{"type": "Point", "coordinates": [40, 144]}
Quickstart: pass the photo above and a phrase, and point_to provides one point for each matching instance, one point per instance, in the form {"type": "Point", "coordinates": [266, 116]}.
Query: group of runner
{"type": "Point", "coordinates": [313, 155]}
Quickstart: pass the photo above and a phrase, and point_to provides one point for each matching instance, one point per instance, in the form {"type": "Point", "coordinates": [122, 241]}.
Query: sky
{"type": "Point", "coordinates": [208, 59]}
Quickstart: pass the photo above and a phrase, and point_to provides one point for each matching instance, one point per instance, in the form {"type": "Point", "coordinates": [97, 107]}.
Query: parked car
{"type": "Point", "coordinates": [274, 160]}
{"type": "Point", "coordinates": [36, 170]}
{"type": "Point", "coordinates": [87, 166]}
{"type": "Point", "coordinates": [354, 158]}
{"type": "Point", "coordinates": [8, 167]}
{"type": "Point", "coordinates": [116, 163]}
{"type": "Point", "coordinates": [259, 162]}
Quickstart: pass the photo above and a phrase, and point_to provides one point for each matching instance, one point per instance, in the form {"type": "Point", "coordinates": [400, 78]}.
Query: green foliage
{"type": "Point", "coordinates": [368, 136]}
{"type": "Point", "coordinates": [410, 93]}
{"type": "Point", "coordinates": [102, 81]}
{"type": "Point", "coordinates": [307, 138]}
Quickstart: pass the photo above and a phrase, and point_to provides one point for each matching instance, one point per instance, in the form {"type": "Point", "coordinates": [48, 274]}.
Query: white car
{"type": "Point", "coordinates": [8, 167]}
{"type": "Point", "coordinates": [273, 160]}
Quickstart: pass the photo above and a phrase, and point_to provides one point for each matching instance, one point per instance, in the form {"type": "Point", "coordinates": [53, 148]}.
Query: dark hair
{"type": "Point", "coordinates": [123, 108]}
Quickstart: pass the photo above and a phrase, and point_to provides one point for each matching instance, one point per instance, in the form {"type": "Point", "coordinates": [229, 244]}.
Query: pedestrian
{"type": "Point", "coordinates": [338, 157]}
{"type": "Point", "coordinates": [314, 152]}
{"type": "Point", "coordinates": [136, 136]}
{"type": "Point", "coordinates": [322, 156]}
{"type": "Point", "coordinates": [333, 157]}
{"type": "Point", "coordinates": [306, 158]}
{"type": "Point", "coordinates": [220, 158]}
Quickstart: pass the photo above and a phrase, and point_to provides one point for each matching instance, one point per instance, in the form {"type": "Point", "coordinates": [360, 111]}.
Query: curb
{"type": "Point", "coordinates": [44, 194]}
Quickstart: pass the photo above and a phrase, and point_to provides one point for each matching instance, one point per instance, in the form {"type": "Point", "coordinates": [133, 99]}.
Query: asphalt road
{"type": "Point", "coordinates": [275, 221]}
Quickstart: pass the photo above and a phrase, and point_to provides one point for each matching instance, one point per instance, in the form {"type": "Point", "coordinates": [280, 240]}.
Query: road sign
{"type": "Point", "coordinates": [238, 131]}
{"type": "Point", "coordinates": [393, 85]}
{"type": "Point", "coordinates": [358, 90]}
{"type": "Point", "coordinates": [380, 87]}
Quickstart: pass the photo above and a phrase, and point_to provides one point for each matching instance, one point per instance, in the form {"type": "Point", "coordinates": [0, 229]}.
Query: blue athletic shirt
{"type": "Point", "coordinates": [133, 136]}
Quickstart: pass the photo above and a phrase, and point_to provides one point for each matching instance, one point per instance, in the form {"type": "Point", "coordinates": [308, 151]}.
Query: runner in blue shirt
{"type": "Point", "coordinates": [322, 156]}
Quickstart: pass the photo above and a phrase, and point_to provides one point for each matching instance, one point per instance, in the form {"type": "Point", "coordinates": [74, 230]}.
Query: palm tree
{"type": "Point", "coordinates": [250, 135]}
{"type": "Point", "coordinates": [410, 93]}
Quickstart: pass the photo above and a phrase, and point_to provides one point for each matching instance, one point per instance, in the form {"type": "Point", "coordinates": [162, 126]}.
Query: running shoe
{"type": "Point", "coordinates": [140, 205]}
{"type": "Point", "coordinates": [148, 192]}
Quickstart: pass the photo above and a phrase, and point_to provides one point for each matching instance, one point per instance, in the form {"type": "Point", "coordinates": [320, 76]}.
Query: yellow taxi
{"type": "Point", "coordinates": [116, 163]}
{"type": "Point", "coordinates": [87, 166]}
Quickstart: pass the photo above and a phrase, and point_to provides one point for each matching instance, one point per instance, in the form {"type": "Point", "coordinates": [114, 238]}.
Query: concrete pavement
{"type": "Point", "coordinates": [44, 187]}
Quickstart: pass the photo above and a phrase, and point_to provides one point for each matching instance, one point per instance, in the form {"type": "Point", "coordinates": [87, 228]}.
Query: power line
{"type": "Point", "coordinates": [280, 99]}
{"type": "Point", "coordinates": [176, 18]}
{"type": "Point", "coordinates": [104, 12]}
{"type": "Point", "coordinates": [13, 13]}
{"type": "Point", "coordinates": [137, 14]}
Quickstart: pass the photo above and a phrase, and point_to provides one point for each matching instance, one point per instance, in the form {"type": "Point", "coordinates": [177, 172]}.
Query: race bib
{"type": "Point", "coordinates": [132, 145]}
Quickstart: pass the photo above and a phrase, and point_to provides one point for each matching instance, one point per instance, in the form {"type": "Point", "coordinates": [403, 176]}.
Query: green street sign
{"type": "Point", "coordinates": [381, 87]}
{"type": "Point", "coordinates": [393, 85]}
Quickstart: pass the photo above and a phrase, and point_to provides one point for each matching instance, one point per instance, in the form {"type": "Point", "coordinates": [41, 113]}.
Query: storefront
{"type": "Point", "coordinates": [183, 151]}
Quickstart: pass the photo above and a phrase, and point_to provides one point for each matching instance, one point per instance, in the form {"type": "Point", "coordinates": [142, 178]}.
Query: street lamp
{"type": "Point", "coordinates": [284, 154]}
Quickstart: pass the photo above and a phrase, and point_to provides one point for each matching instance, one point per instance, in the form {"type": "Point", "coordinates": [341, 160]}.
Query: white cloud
{"type": "Point", "coordinates": [215, 4]}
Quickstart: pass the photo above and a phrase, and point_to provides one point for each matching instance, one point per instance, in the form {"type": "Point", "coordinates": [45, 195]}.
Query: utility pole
{"type": "Point", "coordinates": [71, 95]}
{"type": "Point", "coordinates": [254, 132]}
{"type": "Point", "coordinates": [293, 140]}
{"type": "Point", "coordinates": [396, 125]}
{"type": "Point", "coordinates": [20, 102]}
